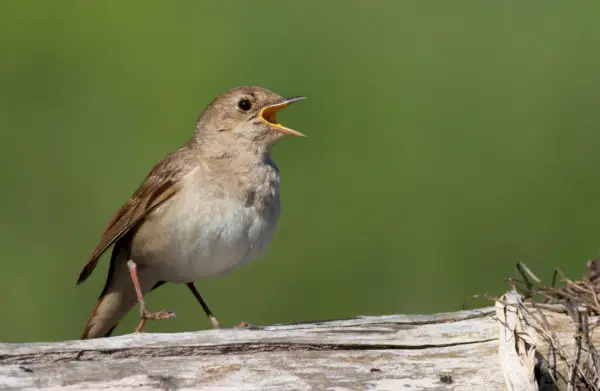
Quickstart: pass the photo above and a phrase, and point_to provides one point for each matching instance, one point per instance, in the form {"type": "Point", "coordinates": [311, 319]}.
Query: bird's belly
{"type": "Point", "coordinates": [191, 243]}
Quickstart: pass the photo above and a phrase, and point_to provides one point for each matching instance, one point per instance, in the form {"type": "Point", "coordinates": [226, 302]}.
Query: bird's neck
{"type": "Point", "coordinates": [232, 154]}
{"type": "Point", "coordinates": [249, 176]}
{"type": "Point", "coordinates": [251, 165]}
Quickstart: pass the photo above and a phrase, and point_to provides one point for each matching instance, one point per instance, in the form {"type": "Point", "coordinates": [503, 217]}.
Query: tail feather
{"type": "Point", "coordinates": [117, 298]}
{"type": "Point", "coordinates": [105, 317]}
{"type": "Point", "coordinates": [95, 329]}
{"type": "Point", "coordinates": [109, 310]}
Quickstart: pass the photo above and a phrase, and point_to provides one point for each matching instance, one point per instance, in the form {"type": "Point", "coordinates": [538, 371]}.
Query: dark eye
{"type": "Point", "coordinates": [244, 104]}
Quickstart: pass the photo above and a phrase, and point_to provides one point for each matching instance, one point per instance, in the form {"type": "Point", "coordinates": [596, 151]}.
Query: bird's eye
{"type": "Point", "coordinates": [244, 104]}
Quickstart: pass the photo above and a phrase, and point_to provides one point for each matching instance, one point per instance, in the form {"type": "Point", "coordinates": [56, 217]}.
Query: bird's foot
{"type": "Point", "coordinates": [214, 322]}
{"type": "Point", "coordinates": [164, 314]}
{"type": "Point", "coordinates": [246, 325]}
{"type": "Point", "coordinates": [147, 315]}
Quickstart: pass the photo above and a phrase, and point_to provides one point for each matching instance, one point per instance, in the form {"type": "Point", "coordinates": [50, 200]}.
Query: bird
{"type": "Point", "coordinates": [203, 210]}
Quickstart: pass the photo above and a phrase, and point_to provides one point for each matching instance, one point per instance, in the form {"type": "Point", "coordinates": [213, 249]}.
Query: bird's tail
{"type": "Point", "coordinates": [116, 300]}
{"type": "Point", "coordinates": [100, 325]}
{"type": "Point", "coordinates": [105, 316]}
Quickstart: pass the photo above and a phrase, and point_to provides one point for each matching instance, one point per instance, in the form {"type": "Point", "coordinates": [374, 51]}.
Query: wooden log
{"type": "Point", "coordinates": [466, 350]}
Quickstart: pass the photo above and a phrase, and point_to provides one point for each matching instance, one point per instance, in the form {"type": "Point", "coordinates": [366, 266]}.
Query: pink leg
{"type": "Point", "coordinates": [144, 313]}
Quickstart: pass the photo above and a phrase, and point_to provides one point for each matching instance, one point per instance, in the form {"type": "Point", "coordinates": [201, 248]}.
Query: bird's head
{"type": "Point", "coordinates": [246, 116]}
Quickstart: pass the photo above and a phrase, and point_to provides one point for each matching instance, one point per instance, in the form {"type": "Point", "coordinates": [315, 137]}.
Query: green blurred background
{"type": "Point", "coordinates": [447, 141]}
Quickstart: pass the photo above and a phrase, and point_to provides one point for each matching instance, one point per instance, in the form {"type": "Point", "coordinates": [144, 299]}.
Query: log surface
{"type": "Point", "coordinates": [450, 351]}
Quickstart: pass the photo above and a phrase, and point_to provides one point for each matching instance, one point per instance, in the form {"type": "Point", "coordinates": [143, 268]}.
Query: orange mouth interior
{"type": "Point", "coordinates": [269, 114]}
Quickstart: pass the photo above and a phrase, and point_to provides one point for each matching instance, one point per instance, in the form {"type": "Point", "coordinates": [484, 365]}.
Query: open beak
{"type": "Point", "coordinates": [268, 114]}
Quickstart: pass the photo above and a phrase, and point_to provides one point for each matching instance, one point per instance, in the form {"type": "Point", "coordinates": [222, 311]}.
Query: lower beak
{"type": "Point", "coordinates": [268, 114]}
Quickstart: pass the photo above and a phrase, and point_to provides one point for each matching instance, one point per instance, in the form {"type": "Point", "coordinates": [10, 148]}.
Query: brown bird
{"type": "Point", "coordinates": [203, 210]}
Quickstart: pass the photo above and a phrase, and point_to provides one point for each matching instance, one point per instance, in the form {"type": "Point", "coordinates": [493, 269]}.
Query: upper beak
{"type": "Point", "coordinates": [268, 114]}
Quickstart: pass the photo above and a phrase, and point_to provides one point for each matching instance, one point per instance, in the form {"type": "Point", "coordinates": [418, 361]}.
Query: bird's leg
{"type": "Point", "coordinates": [213, 320]}
{"type": "Point", "coordinates": [144, 313]}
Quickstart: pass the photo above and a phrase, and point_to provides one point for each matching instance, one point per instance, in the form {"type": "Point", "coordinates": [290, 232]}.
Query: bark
{"type": "Point", "coordinates": [486, 349]}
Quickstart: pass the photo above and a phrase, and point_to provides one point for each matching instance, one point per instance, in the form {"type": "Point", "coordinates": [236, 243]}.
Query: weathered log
{"type": "Point", "coordinates": [467, 350]}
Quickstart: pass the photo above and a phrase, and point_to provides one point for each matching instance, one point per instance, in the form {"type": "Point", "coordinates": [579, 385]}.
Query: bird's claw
{"type": "Point", "coordinates": [164, 314]}
{"type": "Point", "coordinates": [246, 325]}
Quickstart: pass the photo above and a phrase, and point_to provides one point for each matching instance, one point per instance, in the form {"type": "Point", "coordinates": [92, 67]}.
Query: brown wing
{"type": "Point", "coordinates": [160, 184]}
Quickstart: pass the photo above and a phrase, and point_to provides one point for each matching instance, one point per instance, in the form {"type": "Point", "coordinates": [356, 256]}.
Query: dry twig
{"type": "Point", "coordinates": [579, 299]}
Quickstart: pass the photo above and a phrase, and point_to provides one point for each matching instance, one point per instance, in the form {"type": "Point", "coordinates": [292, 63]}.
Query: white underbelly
{"type": "Point", "coordinates": [194, 240]}
{"type": "Point", "coordinates": [203, 246]}
{"type": "Point", "coordinates": [199, 233]}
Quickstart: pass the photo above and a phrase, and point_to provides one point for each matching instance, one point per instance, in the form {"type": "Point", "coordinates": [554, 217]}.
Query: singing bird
{"type": "Point", "coordinates": [204, 209]}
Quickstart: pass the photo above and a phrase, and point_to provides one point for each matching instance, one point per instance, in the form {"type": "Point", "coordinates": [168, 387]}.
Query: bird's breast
{"type": "Point", "coordinates": [202, 231]}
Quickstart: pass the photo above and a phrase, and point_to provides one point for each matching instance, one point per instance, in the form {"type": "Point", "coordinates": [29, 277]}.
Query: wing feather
{"type": "Point", "coordinates": [158, 186]}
